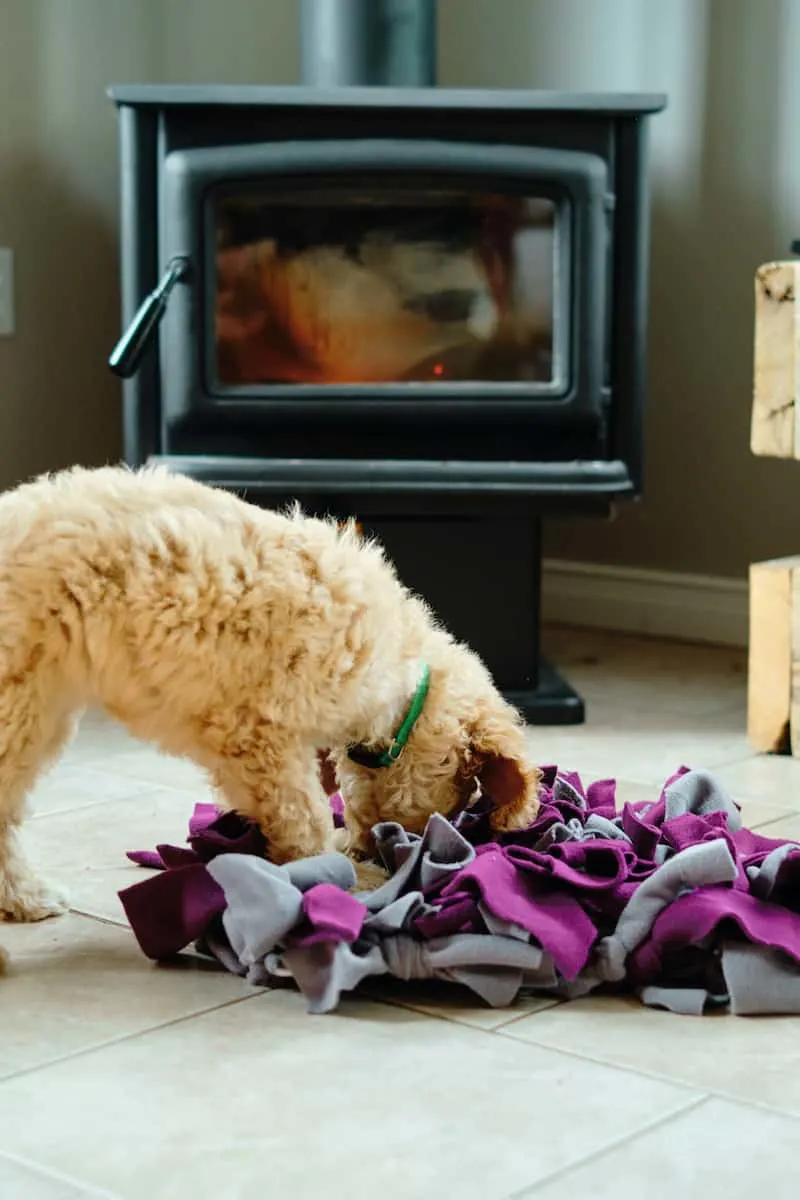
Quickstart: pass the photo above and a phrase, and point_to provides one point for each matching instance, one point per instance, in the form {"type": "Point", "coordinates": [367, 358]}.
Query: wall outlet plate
{"type": "Point", "coordinates": [6, 291]}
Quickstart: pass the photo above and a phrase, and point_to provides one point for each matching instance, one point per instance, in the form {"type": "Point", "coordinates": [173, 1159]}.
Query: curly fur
{"type": "Point", "coordinates": [244, 639]}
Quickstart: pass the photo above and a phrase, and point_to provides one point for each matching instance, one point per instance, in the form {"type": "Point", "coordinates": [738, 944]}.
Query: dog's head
{"type": "Point", "coordinates": [467, 742]}
{"type": "Point", "coordinates": [494, 763]}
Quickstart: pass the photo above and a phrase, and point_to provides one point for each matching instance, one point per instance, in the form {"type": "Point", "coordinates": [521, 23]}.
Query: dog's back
{"type": "Point", "coordinates": [149, 592]}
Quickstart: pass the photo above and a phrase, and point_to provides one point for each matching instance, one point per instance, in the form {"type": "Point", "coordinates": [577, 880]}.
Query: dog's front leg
{"type": "Point", "coordinates": [278, 787]}
{"type": "Point", "coordinates": [33, 728]}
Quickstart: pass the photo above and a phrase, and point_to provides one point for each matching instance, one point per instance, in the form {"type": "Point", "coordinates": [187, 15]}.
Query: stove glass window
{"type": "Point", "coordinates": [382, 286]}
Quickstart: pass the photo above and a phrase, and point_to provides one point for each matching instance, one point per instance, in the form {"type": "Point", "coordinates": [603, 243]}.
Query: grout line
{"type": "Point", "coordinates": [522, 1016]}
{"type": "Point", "coordinates": [154, 785]}
{"type": "Point", "coordinates": [99, 1047]}
{"type": "Point", "coordinates": [736, 762]}
{"type": "Point", "coordinates": [609, 1147]}
{"type": "Point", "coordinates": [789, 812]}
{"type": "Point", "coordinates": [100, 918]}
{"type": "Point", "coordinates": [422, 1012]}
{"type": "Point", "coordinates": [147, 789]}
{"type": "Point", "coordinates": [86, 1189]}
{"type": "Point", "coordinates": [658, 1076]}
{"type": "Point", "coordinates": [448, 1018]}
{"type": "Point", "coordinates": [591, 1058]}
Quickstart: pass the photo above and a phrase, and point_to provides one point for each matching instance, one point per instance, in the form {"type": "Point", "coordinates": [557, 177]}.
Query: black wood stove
{"type": "Point", "coordinates": [420, 306]}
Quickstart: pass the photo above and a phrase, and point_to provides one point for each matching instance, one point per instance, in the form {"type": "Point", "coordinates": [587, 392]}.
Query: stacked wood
{"type": "Point", "coordinates": [776, 411]}
{"type": "Point", "coordinates": [773, 702]}
{"type": "Point", "coordinates": [773, 686]}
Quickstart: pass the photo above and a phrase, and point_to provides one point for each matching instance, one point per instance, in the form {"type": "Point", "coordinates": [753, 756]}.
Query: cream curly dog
{"type": "Point", "coordinates": [246, 640]}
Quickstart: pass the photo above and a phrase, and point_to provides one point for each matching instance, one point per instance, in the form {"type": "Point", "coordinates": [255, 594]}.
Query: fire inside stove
{"type": "Point", "coordinates": [385, 286]}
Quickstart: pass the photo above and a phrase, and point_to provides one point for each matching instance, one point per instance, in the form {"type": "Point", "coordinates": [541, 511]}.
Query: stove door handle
{"type": "Point", "coordinates": [127, 354]}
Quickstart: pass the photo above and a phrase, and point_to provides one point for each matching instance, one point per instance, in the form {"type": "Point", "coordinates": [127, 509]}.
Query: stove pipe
{"type": "Point", "coordinates": [383, 43]}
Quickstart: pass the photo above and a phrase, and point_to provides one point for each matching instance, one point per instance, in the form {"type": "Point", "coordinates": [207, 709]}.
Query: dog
{"type": "Point", "coordinates": [244, 639]}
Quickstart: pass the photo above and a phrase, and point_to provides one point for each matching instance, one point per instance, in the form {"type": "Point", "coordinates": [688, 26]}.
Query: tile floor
{"type": "Point", "coordinates": [118, 1078]}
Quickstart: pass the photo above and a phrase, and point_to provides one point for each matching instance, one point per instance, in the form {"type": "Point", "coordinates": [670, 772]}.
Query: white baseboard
{"type": "Point", "coordinates": [693, 608]}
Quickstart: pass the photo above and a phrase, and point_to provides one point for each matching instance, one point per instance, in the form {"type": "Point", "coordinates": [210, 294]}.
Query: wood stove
{"type": "Point", "coordinates": [425, 307]}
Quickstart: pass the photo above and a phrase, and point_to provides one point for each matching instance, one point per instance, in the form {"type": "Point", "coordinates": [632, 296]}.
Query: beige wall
{"type": "Point", "coordinates": [58, 192]}
{"type": "Point", "coordinates": [58, 212]}
{"type": "Point", "coordinates": [726, 178]}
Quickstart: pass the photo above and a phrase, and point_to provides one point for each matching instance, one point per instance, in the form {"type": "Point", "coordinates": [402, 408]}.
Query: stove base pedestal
{"type": "Point", "coordinates": [482, 576]}
{"type": "Point", "coordinates": [552, 702]}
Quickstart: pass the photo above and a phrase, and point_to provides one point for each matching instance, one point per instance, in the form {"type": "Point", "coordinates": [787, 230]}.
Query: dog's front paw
{"type": "Point", "coordinates": [31, 899]}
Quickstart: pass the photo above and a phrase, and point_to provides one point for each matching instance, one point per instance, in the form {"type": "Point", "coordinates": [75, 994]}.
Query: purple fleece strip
{"type": "Point", "coordinates": [555, 919]}
{"type": "Point", "coordinates": [692, 918]}
{"type": "Point", "coordinates": [173, 909]}
{"type": "Point", "coordinates": [332, 916]}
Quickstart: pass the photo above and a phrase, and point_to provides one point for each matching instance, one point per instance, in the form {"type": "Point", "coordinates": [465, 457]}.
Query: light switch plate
{"type": "Point", "coordinates": [6, 291]}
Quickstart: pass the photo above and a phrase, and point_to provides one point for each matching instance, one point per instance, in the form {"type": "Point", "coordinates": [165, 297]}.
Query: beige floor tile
{"type": "Point", "coordinates": [629, 791]}
{"type": "Point", "coordinates": [146, 765]}
{"type": "Point", "coordinates": [756, 815]}
{"type": "Point", "coordinates": [67, 787]}
{"type": "Point", "coordinates": [660, 676]}
{"type": "Point", "coordinates": [640, 745]}
{"type": "Point", "coordinates": [634, 655]}
{"type": "Point", "coordinates": [102, 742]}
{"type": "Point", "coordinates": [18, 1181]}
{"type": "Point", "coordinates": [449, 1002]}
{"type": "Point", "coordinates": [772, 778]}
{"type": "Point", "coordinates": [99, 739]}
{"type": "Point", "coordinates": [74, 983]}
{"type": "Point", "coordinates": [754, 1059]}
{"type": "Point", "coordinates": [374, 1101]}
{"type": "Point", "coordinates": [717, 1151]}
{"type": "Point", "coordinates": [84, 850]}
{"type": "Point", "coordinates": [666, 695]}
{"type": "Point", "coordinates": [787, 828]}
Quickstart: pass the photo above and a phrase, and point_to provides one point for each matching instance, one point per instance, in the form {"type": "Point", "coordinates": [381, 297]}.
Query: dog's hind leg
{"type": "Point", "coordinates": [32, 732]}
{"type": "Point", "coordinates": [279, 788]}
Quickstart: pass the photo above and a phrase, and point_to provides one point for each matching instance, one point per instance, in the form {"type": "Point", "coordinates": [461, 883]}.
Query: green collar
{"type": "Point", "coordinates": [385, 758]}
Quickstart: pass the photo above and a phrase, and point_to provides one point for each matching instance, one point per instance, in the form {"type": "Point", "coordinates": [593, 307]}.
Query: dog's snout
{"type": "Point", "coordinates": [450, 306]}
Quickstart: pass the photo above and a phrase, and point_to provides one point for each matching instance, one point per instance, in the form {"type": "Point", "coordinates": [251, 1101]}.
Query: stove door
{"type": "Point", "coordinates": [396, 281]}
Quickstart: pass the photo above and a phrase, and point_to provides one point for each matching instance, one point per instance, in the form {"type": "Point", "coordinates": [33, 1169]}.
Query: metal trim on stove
{"type": "Point", "coordinates": [298, 96]}
{"type": "Point", "coordinates": [404, 476]}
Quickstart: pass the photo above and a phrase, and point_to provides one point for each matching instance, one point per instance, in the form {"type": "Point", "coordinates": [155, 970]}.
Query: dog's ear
{"type": "Point", "coordinates": [327, 772]}
{"type": "Point", "coordinates": [498, 759]}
